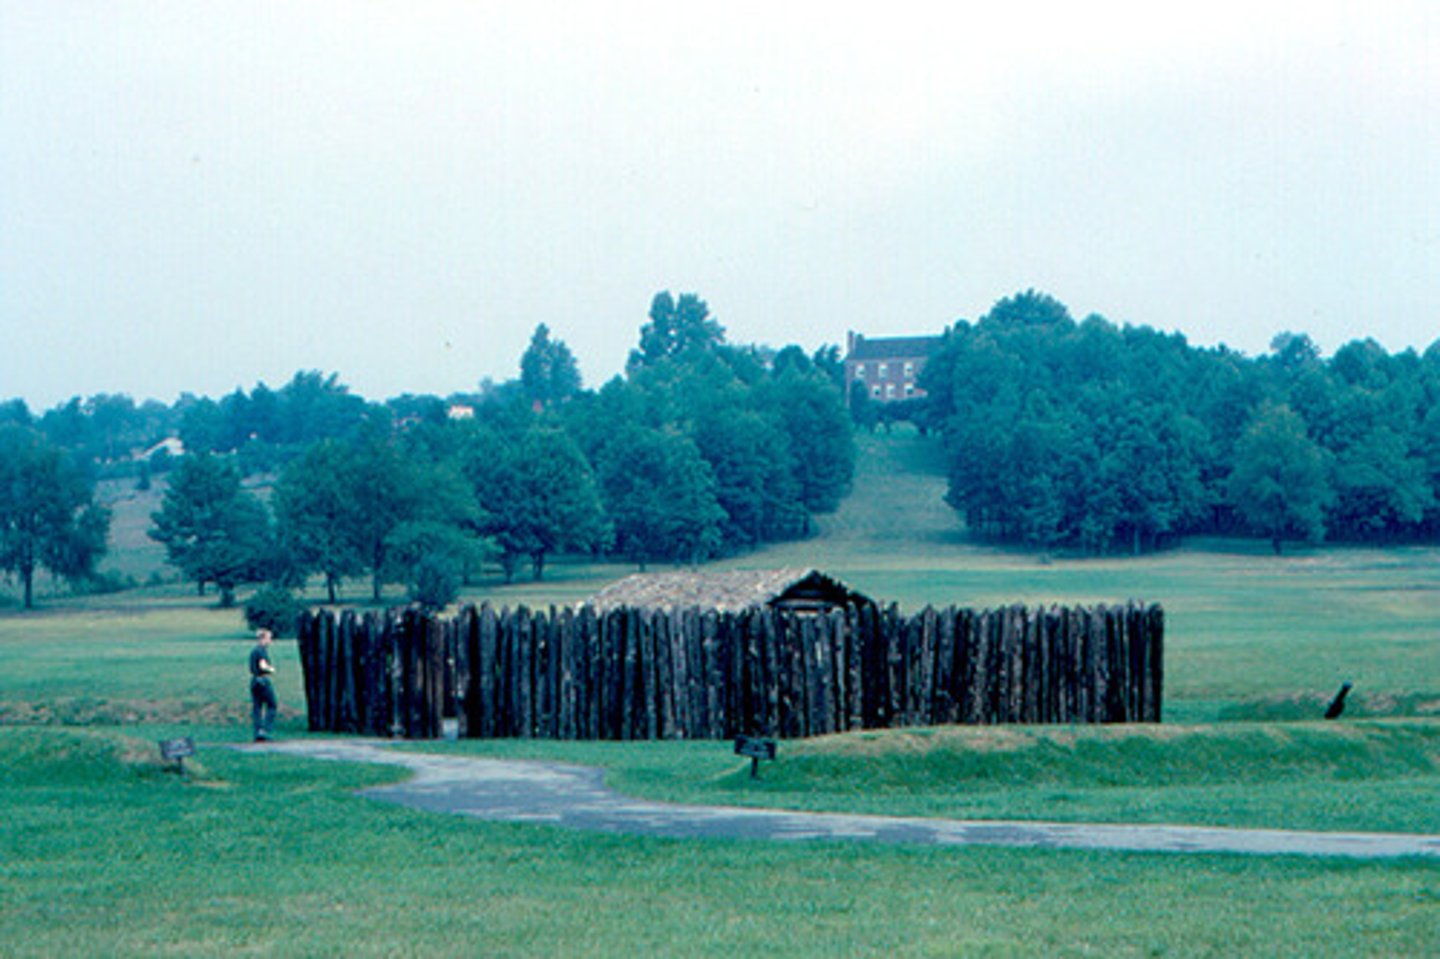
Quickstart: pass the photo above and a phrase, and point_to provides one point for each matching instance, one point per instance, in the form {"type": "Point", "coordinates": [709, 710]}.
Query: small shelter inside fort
{"type": "Point", "coordinates": [795, 590]}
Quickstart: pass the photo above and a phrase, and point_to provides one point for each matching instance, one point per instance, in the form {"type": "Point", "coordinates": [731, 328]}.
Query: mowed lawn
{"type": "Point", "coordinates": [103, 852]}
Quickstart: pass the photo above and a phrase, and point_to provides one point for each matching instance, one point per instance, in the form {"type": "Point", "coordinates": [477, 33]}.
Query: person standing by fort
{"type": "Point", "coordinates": [262, 690]}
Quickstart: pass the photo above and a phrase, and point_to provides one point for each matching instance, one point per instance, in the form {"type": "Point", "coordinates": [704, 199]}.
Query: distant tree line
{"type": "Point", "coordinates": [700, 449]}
{"type": "Point", "coordinates": [1059, 435]}
{"type": "Point", "coordinates": [268, 427]}
{"type": "Point", "coordinates": [1088, 436]}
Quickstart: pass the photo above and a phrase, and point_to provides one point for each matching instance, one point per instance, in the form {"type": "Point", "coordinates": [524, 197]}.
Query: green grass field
{"type": "Point", "coordinates": [104, 852]}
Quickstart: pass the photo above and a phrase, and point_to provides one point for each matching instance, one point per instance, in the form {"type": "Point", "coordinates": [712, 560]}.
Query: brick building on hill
{"type": "Point", "coordinates": [888, 366]}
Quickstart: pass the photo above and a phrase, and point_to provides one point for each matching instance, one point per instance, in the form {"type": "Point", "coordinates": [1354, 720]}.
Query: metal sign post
{"type": "Point", "coordinates": [177, 750]}
{"type": "Point", "coordinates": [756, 749]}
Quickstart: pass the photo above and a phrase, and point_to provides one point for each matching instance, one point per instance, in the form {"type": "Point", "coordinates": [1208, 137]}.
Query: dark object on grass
{"type": "Point", "coordinates": [177, 750]}
{"type": "Point", "coordinates": [756, 749]}
{"type": "Point", "coordinates": [1337, 705]}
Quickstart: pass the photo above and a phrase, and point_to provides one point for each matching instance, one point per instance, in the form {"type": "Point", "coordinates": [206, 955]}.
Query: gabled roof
{"type": "Point", "coordinates": [893, 347]}
{"type": "Point", "coordinates": [732, 591]}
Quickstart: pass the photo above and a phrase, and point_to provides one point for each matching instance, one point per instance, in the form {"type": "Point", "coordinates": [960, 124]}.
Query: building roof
{"type": "Point", "coordinates": [893, 347]}
{"type": "Point", "coordinates": [732, 591]}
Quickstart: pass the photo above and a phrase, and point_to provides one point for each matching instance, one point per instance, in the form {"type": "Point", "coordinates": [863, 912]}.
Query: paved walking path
{"type": "Point", "coordinates": [576, 797]}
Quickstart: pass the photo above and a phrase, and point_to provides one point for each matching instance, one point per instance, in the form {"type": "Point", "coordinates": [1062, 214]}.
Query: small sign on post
{"type": "Point", "coordinates": [177, 750]}
{"type": "Point", "coordinates": [757, 749]}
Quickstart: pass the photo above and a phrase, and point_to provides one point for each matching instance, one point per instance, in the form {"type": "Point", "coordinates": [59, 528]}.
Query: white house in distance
{"type": "Point", "coordinates": [888, 366]}
{"type": "Point", "coordinates": [170, 446]}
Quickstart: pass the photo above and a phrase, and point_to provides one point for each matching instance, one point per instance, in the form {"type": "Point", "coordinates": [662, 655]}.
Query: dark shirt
{"type": "Point", "coordinates": [259, 655]}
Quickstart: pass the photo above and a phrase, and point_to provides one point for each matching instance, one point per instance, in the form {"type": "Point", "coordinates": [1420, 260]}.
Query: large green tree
{"type": "Point", "coordinates": [754, 477]}
{"type": "Point", "coordinates": [213, 530]}
{"type": "Point", "coordinates": [537, 494]}
{"type": "Point", "coordinates": [1279, 484]}
{"type": "Point", "coordinates": [809, 409]}
{"type": "Point", "coordinates": [316, 516]}
{"type": "Point", "coordinates": [388, 489]}
{"type": "Point", "coordinates": [48, 515]}
{"type": "Point", "coordinates": [660, 496]}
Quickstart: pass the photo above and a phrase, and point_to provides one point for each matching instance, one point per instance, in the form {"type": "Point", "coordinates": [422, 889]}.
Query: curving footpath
{"type": "Point", "coordinates": [576, 797]}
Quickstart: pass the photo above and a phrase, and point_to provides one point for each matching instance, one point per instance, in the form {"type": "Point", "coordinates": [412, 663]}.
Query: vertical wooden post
{"type": "Point", "coordinates": [854, 685]}
{"type": "Point", "coordinates": [716, 668]}
{"type": "Point", "coordinates": [650, 679]}
{"type": "Point", "coordinates": [304, 646]}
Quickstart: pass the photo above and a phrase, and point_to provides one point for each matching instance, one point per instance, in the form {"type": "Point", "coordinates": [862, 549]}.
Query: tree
{"type": "Point", "coordinates": [1294, 353]}
{"type": "Point", "coordinates": [388, 489]}
{"type": "Point", "coordinates": [537, 494]}
{"type": "Point", "coordinates": [829, 360]}
{"type": "Point", "coordinates": [431, 558]}
{"type": "Point", "coordinates": [1030, 308]}
{"type": "Point", "coordinates": [1279, 484]}
{"type": "Point", "coordinates": [48, 514]}
{"type": "Point", "coordinates": [203, 425]}
{"type": "Point", "coordinates": [316, 512]}
{"type": "Point", "coordinates": [863, 411]}
{"type": "Point", "coordinates": [755, 481]}
{"type": "Point", "coordinates": [1381, 487]}
{"type": "Point", "coordinates": [548, 371]}
{"type": "Point", "coordinates": [809, 409]}
{"type": "Point", "coordinates": [16, 413]}
{"type": "Point", "coordinates": [212, 529]}
{"type": "Point", "coordinates": [676, 328]}
{"type": "Point", "coordinates": [313, 406]}
{"type": "Point", "coordinates": [660, 496]}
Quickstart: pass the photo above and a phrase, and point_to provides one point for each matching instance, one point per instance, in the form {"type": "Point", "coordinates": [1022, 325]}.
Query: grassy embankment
{"type": "Point", "coordinates": [93, 824]}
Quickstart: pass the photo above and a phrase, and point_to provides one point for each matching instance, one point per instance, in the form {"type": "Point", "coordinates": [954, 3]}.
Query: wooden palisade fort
{"type": "Point", "coordinates": [627, 672]}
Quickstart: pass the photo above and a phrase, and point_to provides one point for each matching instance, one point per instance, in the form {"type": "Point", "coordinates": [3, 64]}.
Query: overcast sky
{"type": "Point", "coordinates": [201, 196]}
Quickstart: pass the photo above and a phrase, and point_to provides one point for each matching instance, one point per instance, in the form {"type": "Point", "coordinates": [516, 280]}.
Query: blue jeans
{"type": "Point", "coordinates": [262, 706]}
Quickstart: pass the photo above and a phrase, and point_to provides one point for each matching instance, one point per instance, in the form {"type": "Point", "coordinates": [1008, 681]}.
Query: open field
{"type": "Point", "coordinates": [265, 855]}
{"type": "Point", "coordinates": [92, 821]}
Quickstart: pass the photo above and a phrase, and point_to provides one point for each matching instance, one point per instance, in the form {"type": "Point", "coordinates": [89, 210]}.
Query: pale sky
{"type": "Point", "coordinates": [198, 196]}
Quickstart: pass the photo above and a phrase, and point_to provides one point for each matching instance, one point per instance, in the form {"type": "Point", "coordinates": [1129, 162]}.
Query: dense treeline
{"type": "Point", "coordinates": [701, 448]}
{"type": "Point", "coordinates": [1090, 436]}
{"type": "Point", "coordinates": [267, 427]}
{"type": "Point", "coordinates": [1060, 435]}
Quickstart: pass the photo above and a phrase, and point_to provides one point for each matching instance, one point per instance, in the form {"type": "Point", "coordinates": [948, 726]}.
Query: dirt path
{"type": "Point", "coordinates": [576, 797]}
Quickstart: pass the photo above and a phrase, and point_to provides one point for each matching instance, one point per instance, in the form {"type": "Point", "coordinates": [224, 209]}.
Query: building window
{"type": "Point", "coordinates": [909, 371]}
{"type": "Point", "coordinates": [859, 371]}
{"type": "Point", "coordinates": [889, 391]}
{"type": "Point", "coordinates": [909, 389]}
{"type": "Point", "coordinates": [875, 390]}
{"type": "Point", "coordinates": [884, 369]}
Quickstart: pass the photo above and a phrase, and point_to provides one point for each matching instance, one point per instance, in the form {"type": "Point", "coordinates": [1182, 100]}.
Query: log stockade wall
{"type": "Point", "coordinates": [693, 674]}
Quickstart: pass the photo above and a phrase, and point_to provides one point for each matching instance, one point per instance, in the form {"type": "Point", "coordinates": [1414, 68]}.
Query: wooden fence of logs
{"type": "Point", "coordinates": [693, 674]}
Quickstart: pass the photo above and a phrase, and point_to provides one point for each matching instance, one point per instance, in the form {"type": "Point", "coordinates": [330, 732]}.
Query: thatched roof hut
{"type": "Point", "coordinates": [802, 590]}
